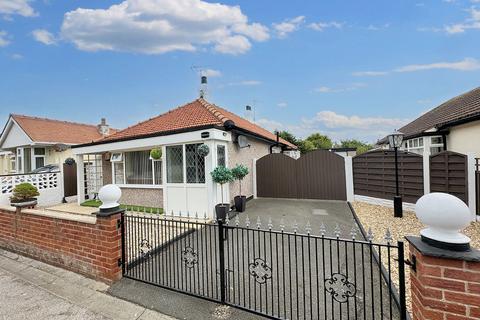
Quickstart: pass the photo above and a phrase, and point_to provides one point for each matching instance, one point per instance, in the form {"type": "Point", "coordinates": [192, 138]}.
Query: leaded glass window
{"type": "Point", "coordinates": [174, 164]}
{"type": "Point", "coordinates": [157, 168]}
{"type": "Point", "coordinates": [118, 172]}
{"type": "Point", "coordinates": [221, 156]}
{"type": "Point", "coordinates": [195, 164]}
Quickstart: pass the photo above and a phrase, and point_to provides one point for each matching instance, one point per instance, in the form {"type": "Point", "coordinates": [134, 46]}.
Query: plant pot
{"type": "Point", "coordinates": [240, 203]}
{"type": "Point", "coordinates": [221, 210]}
{"type": "Point", "coordinates": [26, 203]}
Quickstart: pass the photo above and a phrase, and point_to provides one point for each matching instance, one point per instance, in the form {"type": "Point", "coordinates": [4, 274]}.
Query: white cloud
{"type": "Point", "coordinates": [334, 120]}
{"type": "Point", "coordinates": [321, 26]}
{"type": "Point", "coordinates": [3, 38]}
{"type": "Point", "coordinates": [16, 56]}
{"type": "Point", "coordinates": [325, 89]}
{"type": "Point", "coordinates": [288, 26]}
{"type": "Point", "coordinates": [245, 83]}
{"type": "Point", "coordinates": [20, 7]}
{"type": "Point", "coordinates": [473, 22]}
{"type": "Point", "coordinates": [282, 104]}
{"type": "Point", "coordinates": [44, 36]}
{"type": "Point", "coordinates": [467, 64]}
{"type": "Point", "coordinates": [160, 26]}
{"type": "Point", "coordinates": [338, 126]}
{"type": "Point", "coordinates": [211, 73]}
{"type": "Point", "coordinates": [373, 27]}
{"type": "Point", "coordinates": [369, 73]}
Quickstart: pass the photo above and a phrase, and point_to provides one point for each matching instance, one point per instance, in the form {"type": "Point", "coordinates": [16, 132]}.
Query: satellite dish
{"type": "Point", "coordinates": [242, 141]}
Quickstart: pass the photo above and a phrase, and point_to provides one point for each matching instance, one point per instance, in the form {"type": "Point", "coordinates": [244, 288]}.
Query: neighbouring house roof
{"type": "Point", "coordinates": [461, 109]}
{"type": "Point", "coordinates": [57, 131]}
{"type": "Point", "coordinates": [192, 116]}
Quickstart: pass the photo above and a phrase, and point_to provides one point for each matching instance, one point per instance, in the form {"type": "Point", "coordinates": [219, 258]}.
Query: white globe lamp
{"type": "Point", "coordinates": [109, 195]}
{"type": "Point", "coordinates": [444, 216]}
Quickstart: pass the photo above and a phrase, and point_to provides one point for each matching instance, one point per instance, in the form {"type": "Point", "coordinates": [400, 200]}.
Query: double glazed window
{"type": "Point", "coordinates": [136, 168]}
{"type": "Point", "coordinates": [194, 164]}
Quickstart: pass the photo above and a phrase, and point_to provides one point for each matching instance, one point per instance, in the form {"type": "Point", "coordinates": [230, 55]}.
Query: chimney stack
{"type": "Point", "coordinates": [203, 87]}
{"type": "Point", "coordinates": [103, 127]}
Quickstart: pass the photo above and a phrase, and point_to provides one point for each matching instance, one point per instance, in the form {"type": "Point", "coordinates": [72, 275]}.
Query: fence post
{"type": "Point", "coordinates": [426, 171]}
{"type": "Point", "coordinates": [401, 280]}
{"type": "Point", "coordinates": [349, 178]}
{"type": "Point", "coordinates": [221, 255]}
{"type": "Point", "coordinates": [471, 184]}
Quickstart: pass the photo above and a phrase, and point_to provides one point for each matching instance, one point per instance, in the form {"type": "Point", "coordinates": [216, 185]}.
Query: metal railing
{"type": "Point", "coordinates": [274, 273]}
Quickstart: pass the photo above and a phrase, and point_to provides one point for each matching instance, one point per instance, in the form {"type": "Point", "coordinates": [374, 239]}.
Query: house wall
{"type": "Point", "coordinates": [465, 138]}
{"type": "Point", "coordinates": [149, 197]}
{"type": "Point", "coordinates": [245, 156]}
{"type": "Point", "coordinates": [3, 164]}
{"type": "Point", "coordinates": [55, 157]}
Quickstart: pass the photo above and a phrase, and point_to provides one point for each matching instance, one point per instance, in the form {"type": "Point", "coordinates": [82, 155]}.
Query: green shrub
{"type": "Point", "coordinates": [240, 172]}
{"type": "Point", "coordinates": [24, 191]}
{"type": "Point", "coordinates": [222, 175]}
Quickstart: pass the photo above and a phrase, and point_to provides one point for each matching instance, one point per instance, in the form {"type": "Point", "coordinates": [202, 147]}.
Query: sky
{"type": "Point", "coordinates": [348, 69]}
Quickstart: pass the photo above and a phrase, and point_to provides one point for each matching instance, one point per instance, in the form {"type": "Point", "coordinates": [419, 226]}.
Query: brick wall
{"type": "Point", "coordinates": [87, 245]}
{"type": "Point", "coordinates": [444, 289]}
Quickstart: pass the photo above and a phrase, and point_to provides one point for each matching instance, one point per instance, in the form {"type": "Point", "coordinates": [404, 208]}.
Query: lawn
{"type": "Point", "coordinates": [97, 203]}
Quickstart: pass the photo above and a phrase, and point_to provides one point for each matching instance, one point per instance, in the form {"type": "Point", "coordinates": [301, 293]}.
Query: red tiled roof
{"type": "Point", "coordinates": [198, 113]}
{"type": "Point", "coordinates": [57, 131]}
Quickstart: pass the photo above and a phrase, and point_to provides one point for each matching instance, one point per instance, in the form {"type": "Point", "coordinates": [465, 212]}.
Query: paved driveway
{"type": "Point", "coordinates": [301, 212]}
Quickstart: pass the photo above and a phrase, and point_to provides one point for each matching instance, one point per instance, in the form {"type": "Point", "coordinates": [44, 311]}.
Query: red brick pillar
{"type": "Point", "coordinates": [445, 284]}
{"type": "Point", "coordinates": [109, 243]}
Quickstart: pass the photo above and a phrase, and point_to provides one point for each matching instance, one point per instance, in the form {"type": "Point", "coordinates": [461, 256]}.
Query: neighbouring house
{"type": "Point", "coordinates": [344, 151]}
{"type": "Point", "coordinates": [180, 180]}
{"type": "Point", "coordinates": [28, 143]}
{"type": "Point", "coordinates": [454, 126]}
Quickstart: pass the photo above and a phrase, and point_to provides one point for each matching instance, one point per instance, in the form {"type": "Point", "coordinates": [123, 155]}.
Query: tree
{"type": "Point", "coordinates": [288, 136]}
{"type": "Point", "coordinates": [320, 141]}
{"type": "Point", "coordinates": [305, 146]}
{"type": "Point", "coordinates": [362, 147]}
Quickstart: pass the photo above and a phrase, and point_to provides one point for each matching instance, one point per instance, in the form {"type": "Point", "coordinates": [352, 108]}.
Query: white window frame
{"type": "Point", "coordinates": [34, 157]}
{"type": "Point", "coordinates": [116, 157]}
{"type": "Point", "coordinates": [128, 185]}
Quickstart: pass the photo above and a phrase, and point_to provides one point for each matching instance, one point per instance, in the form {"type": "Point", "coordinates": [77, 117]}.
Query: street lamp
{"type": "Point", "coordinates": [395, 141]}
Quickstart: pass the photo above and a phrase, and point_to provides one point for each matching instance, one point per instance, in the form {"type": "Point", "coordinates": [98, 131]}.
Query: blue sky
{"type": "Point", "coordinates": [349, 69]}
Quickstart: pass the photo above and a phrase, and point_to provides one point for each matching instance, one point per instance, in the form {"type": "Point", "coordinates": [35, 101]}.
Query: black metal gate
{"type": "Point", "coordinates": [278, 274]}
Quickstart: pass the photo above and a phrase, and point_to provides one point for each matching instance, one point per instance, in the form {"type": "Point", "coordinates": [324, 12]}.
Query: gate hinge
{"type": "Point", "coordinates": [119, 224]}
{"type": "Point", "coordinates": [412, 264]}
{"type": "Point", "coordinates": [120, 262]}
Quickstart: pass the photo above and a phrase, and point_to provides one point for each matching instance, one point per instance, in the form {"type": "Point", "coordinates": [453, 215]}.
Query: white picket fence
{"type": "Point", "coordinates": [49, 185]}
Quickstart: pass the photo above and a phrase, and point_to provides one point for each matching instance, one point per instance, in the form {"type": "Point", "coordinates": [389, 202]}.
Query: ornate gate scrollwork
{"type": "Point", "coordinates": [340, 288]}
{"type": "Point", "coordinates": [145, 248]}
{"type": "Point", "coordinates": [189, 257]}
{"type": "Point", "coordinates": [260, 270]}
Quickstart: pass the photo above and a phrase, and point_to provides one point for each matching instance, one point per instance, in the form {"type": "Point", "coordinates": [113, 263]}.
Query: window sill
{"type": "Point", "coordinates": [140, 186]}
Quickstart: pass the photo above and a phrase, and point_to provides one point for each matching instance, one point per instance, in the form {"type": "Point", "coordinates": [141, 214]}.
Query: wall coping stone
{"type": "Point", "coordinates": [472, 255]}
{"type": "Point", "coordinates": [54, 214]}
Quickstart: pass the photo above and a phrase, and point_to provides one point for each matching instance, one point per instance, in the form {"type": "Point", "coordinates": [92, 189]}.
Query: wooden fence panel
{"type": "Point", "coordinates": [70, 179]}
{"type": "Point", "coordinates": [449, 174]}
{"type": "Point", "coordinates": [319, 174]}
{"type": "Point", "coordinates": [374, 175]}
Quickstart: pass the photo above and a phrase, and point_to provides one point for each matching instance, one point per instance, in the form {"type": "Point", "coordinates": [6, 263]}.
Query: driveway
{"type": "Point", "coordinates": [291, 211]}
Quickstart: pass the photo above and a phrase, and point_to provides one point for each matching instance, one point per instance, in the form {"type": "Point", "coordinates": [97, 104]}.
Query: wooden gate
{"type": "Point", "coordinates": [449, 174]}
{"type": "Point", "coordinates": [374, 175]}
{"type": "Point", "coordinates": [70, 179]}
{"type": "Point", "coordinates": [319, 174]}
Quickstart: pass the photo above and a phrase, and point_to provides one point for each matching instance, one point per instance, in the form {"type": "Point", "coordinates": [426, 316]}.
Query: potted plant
{"type": "Point", "coordinates": [156, 154]}
{"type": "Point", "coordinates": [222, 175]}
{"type": "Point", "coordinates": [240, 172]}
{"type": "Point", "coordinates": [24, 196]}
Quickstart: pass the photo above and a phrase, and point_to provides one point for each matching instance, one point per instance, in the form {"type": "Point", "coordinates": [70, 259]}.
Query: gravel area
{"type": "Point", "coordinates": [380, 218]}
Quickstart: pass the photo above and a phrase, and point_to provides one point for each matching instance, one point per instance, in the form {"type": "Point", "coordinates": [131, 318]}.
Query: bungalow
{"type": "Point", "coordinates": [454, 126]}
{"type": "Point", "coordinates": [180, 180]}
{"type": "Point", "coordinates": [28, 143]}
